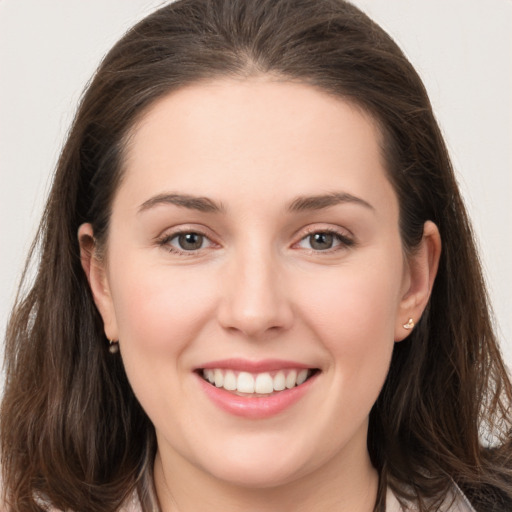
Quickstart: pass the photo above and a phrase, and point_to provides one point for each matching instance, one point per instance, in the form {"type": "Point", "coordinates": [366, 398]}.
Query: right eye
{"type": "Point", "coordinates": [185, 242]}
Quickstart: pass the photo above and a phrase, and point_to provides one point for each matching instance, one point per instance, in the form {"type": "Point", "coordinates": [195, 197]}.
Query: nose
{"type": "Point", "coordinates": [254, 301]}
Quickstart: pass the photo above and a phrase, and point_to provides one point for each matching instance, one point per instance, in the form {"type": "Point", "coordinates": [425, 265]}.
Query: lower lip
{"type": "Point", "coordinates": [256, 407]}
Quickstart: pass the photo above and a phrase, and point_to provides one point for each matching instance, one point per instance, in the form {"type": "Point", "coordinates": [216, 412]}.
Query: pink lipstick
{"type": "Point", "coordinates": [255, 389]}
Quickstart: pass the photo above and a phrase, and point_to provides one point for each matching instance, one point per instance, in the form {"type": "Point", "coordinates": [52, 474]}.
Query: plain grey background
{"type": "Point", "coordinates": [461, 48]}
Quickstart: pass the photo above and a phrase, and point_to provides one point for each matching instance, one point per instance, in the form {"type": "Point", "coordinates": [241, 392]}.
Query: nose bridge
{"type": "Point", "coordinates": [254, 299]}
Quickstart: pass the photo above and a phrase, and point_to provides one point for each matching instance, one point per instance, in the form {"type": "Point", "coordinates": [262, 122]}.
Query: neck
{"type": "Point", "coordinates": [346, 485]}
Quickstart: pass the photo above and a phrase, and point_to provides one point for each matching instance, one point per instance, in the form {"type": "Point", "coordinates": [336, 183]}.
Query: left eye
{"type": "Point", "coordinates": [323, 241]}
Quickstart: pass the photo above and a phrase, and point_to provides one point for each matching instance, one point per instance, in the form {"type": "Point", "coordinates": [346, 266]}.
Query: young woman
{"type": "Point", "coordinates": [258, 288]}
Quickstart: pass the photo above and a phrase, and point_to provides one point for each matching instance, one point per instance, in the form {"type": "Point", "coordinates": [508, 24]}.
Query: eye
{"type": "Point", "coordinates": [324, 241]}
{"type": "Point", "coordinates": [188, 241]}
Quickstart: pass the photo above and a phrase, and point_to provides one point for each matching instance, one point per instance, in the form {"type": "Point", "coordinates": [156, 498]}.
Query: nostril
{"type": "Point", "coordinates": [254, 309]}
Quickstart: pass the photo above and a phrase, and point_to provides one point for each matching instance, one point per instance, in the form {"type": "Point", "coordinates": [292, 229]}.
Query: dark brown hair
{"type": "Point", "coordinates": [73, 434]}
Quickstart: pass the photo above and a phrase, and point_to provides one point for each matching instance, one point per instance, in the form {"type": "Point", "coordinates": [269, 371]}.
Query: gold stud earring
{"type": "Point", "coordinates": [409, 324]}
{"type": "Point", "coordinates": [113, 346]}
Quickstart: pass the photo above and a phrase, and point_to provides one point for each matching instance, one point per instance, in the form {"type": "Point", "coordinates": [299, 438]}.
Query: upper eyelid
{"type": "Point", "coordinates": [324, 230]}
{"type": "Point", "coordinates": [171, 232]}
{"type": "Point", "coordinates": [311, 229]}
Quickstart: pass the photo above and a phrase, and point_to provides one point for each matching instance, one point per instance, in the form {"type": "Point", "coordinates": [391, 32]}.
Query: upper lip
{"type": "Point", "coordinates": [247, 365]}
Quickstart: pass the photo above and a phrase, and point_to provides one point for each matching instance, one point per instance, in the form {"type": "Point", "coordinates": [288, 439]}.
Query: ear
{"type": "Point", "coordinates": [95, 271]}
{"type": "Point", "coordinates": [421, 270]}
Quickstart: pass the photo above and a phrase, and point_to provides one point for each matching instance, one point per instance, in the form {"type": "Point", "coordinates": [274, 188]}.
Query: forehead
{"type": "Point", "coordinates": [252, 137]}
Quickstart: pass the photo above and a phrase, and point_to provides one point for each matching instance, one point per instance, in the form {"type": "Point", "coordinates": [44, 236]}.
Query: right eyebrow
{"type": "Point", "coordinates": [202, 204]}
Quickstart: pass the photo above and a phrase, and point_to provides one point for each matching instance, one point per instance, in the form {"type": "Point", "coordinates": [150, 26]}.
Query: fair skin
{"type": "Point", "coordinates": [323, 284]}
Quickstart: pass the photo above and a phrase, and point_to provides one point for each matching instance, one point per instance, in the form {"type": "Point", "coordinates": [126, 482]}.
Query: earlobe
{"type": "Point", "coordinates": [95, 272]}
{"type": "Point", "coordinates": [422, 270]}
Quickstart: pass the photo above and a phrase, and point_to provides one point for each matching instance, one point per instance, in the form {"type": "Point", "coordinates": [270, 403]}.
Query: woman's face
{"type": "Point", "coordinates": [255, 235]}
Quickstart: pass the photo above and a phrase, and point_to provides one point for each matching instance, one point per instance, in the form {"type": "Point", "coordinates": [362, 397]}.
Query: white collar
{"type": "Point", "coordinates": [455, 502]}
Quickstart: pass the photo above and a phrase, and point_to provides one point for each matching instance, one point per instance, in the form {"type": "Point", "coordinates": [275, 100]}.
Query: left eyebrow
{"type": "Point", "coordinates": [305, 203]}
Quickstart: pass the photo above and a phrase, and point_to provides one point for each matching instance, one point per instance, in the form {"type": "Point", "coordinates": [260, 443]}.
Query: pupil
{"type": "Point", "coordinates": [190, 241]}
{"type": "Point", "coordinates": [321, 241]}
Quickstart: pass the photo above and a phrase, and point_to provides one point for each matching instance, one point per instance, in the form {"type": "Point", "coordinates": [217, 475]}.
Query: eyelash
{"type": "Point", "coordinates": [345, 242]}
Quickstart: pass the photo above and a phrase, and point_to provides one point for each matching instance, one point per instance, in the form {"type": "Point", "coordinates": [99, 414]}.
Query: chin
{"type": "Point", "coordinates": [259, 468]}
{"type": "Point", "coordinates": [253, 476]}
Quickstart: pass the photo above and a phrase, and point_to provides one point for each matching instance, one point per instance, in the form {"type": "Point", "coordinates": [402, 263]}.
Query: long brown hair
{"type": "Point", "coordinates": [72, 433]}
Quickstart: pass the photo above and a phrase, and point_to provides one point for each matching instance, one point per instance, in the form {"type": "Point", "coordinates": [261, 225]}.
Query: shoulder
{"type": "Point", "coordinates": [455, 502]}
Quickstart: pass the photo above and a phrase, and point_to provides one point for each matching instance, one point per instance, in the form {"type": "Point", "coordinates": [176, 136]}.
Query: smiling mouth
{"type": "Point", "coordinates": [262, 384]}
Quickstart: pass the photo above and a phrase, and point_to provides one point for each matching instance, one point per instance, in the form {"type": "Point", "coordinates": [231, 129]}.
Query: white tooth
{"type": "Point", "coordinates": [219, 378]}
{"type": "Point", "coordinates": [245, 383]}
{"type": "Point", "coordinates": [230, 381]}
{"type": "Point", "coordinates": [279, 381]}
{"type": "Point", "coordinates": [209, 375]}
{"type": "Point", "coordinates": [264, 383]}
{"type": "Point", "coordinates": [291, 379]}
{"type": "Point", "coordinates": [301, 377]}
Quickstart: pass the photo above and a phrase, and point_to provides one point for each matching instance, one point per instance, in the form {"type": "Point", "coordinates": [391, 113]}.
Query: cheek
{"type": "Point", "coordinates": [356, 310]}
{"type": "Point", "coordinates": [159, 311]}
{"type": "Point", "coordinates": [353, 311]}
{"type": "Point", "coordinates": [160, 308]}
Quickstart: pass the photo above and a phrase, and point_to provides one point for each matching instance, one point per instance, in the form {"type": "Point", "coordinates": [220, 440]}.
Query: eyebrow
{"type": "Point", "coordinates": [207, 205]}
{"type": "Point", "coordinates": [305, 203]}
{"type": "Point", "coordinates": [202, 204]}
